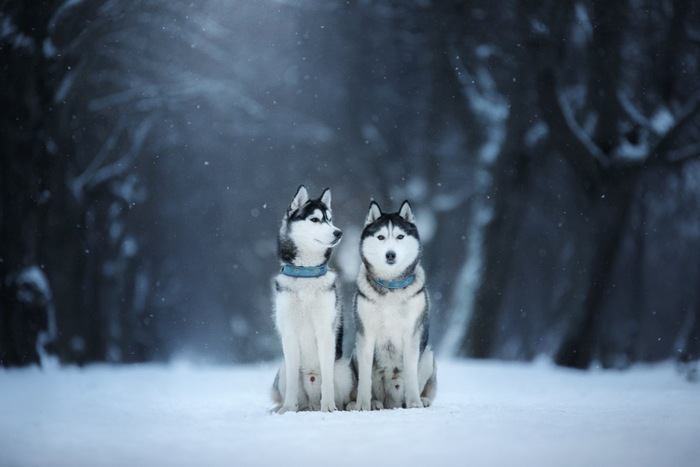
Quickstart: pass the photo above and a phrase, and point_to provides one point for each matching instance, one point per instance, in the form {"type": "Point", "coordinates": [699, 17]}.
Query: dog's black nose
{"type": "Point", "coordinates": [338, 233]}
{"type": "Point", "coordinates": [390, 256]}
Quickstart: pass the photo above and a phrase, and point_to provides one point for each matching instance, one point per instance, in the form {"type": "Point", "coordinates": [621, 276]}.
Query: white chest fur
{"type": "Point", "coordinates": [305, 308]}
{"type": "Point", "coordinates": [391, 318]}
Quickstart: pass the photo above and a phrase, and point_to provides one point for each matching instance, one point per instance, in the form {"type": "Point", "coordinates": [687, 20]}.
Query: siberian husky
{"type": "Point", "coordinates": [393, 361]}
{"type": "Point", "coordinates": [308, 312]}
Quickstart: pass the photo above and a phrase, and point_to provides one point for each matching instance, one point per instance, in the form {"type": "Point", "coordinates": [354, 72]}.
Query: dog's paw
{"type": "Point", "coordinates": [315, 406]}
{"type": "Point", "coordinates": [360, 405]}
{"type": "Point", "coordinates": [287, 408]}
{"type": "Point", "coordinates": [328, 406]}
{"type": "Point", "coordinates": [377, 405]}
{"type": "Point", "coordinates": [417, 404]}
{"type": "Point", "coordinates": [426, 402]}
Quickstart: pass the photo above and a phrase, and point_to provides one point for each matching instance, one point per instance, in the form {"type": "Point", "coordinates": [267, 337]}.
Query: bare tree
{"type": "Point", "coordinates": [610, 180]}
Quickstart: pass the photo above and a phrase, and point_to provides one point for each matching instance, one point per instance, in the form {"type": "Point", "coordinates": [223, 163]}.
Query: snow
{"type": "Point", "coordinates": [67, 83]}
{"type": "Point", "coordinates": [32, 281]}
{"type": "Point", "coordinates": [486, 413]}
{"type": "Point", "coordinates": [633, 152]}
{"type": "Point", "coordinates": [468, 280]}
{"type": "Point", "coordinates": [488, 104]}
{"type": "Point", "coordinates": [584, 30]}
{"type": "Point", "coordinates": [662, 121]}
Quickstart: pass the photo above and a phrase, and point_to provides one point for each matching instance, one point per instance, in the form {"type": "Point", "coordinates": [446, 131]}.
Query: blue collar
{"type": "Point", "coordinates": [304, 271]}
{"type": "Point", "coordinates": [396, 283]}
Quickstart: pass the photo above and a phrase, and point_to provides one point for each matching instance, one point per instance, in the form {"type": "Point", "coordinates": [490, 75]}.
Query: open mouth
{"type": "Point", "coordinates": [390, 261]}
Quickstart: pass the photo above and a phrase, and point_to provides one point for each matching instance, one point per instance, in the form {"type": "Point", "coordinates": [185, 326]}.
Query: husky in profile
{"type": "Point", "coordinates": [307, 311]}
{"type": "Point", "coordinates": [393, 361]}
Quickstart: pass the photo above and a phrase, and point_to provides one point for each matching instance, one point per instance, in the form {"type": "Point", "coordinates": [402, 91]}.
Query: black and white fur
{"type": "Point", "coordinates": [394, 363]}
{"type": "Point", "coordinates": [308, 312]}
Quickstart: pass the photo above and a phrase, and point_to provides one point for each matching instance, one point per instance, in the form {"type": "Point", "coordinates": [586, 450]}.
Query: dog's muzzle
{"type": "Point", "coordinates": [337, 234]}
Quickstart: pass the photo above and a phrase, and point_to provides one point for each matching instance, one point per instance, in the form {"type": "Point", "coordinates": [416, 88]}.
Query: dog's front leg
{"type": "Point", "coordinates": [290, 347]}
{"type": "Point", "coordinates": [326, 358]}
{"type": "Point", "coordinates": [365, 355]}
{"type": "Point", "coordinates": [410, 364]}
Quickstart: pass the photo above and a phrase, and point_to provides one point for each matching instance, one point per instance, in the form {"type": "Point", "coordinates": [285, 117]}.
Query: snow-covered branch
{"type": "Point", "coordinates": [78, 183]}
{"type": "Point", "coordinates": [632, 112]}
{"type": "Point", "coordinates": [572, 141]}
{"type": "Point", "coordinates": [486, 102]}
{"type": "Point", "coordinates": [662, 151]}
{"type": "Point", "coordinates": [122, 165]}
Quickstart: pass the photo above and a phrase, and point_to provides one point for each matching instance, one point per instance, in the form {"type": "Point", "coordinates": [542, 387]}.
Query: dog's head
{"type": "Point", "coordinates": [390, 246]}
{"type": "Point", "coordinates": [307, 231]}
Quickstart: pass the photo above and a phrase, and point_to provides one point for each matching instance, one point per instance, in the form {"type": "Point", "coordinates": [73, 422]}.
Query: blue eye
{"type": "Point", "coordinates": [380, 237]}
{"type": "Point", "coordinates": [400, 236]}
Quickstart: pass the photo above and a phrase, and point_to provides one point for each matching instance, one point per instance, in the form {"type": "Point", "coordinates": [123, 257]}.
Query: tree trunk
{"type": "Point", "coordinates": [691, 349]}
{"type": "Point", "coordinates": [448, 113]}
{"type": "Point", "coordinates": [638, 300]}
{"type": "Point", "coordinates": [508, 195]}
{"type": "Point", "coordinates": [668, 69]}
{"type": "Point", "coordinates": [510, 186]}
{"type": "Point", "coordinates": [610, 214]}
{"type": "Point", "coordinates": [26, 104]}
{"type": "Point", "coordinates": [608, 21]}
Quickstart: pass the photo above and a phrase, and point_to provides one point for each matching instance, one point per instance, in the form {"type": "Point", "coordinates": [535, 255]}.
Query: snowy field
{"type": "Point", "coordinates": [485, 414]}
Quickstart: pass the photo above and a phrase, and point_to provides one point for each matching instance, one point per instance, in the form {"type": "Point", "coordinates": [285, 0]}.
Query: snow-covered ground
{"type": "Point", "coordinates": [486, 414]}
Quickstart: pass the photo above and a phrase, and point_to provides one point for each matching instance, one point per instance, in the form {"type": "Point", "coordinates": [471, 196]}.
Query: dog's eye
{"type": "Point", "coordinates": [314, 220]}
{"type": "Point", "coordinates": [380, 237]}
{"type": "Point", "coordinates": [401, 236]}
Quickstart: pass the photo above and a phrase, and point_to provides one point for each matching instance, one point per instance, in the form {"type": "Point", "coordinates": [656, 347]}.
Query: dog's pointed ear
{"type": "Point", "coordinates": [299, 200]}
{"type": "Point", "coordinates": [375, 212]}
{"type": "Point", "coordinates": [407, 213]}
{"type": "Point", "coordinates": [326, 197]}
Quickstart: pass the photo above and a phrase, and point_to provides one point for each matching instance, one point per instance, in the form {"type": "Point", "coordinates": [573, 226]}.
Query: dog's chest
{"type": "Point", "coordinates": [303, 308]}
{"type": "Point", "coordinates": [305, 301]}
{"type": "Point", "coordinates": [392, 317]}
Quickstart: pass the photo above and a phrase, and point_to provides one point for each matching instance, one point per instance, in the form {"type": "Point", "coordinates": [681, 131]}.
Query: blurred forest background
{"type": "Point", "coordinates": [150, 148]}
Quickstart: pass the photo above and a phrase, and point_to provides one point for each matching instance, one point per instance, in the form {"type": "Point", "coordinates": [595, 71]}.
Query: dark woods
{"type": "Point", "coordinates": [550, 148]}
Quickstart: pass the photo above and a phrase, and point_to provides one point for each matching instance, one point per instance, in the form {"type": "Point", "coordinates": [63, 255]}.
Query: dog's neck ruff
{"type": "Point", "coordinates": [395, 283]}
{"type": "Point", "coordinates": [304, 271]}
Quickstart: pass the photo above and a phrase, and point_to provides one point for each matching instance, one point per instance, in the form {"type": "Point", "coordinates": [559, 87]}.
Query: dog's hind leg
{"type": "Point", "coordinates": [279, 387]}
{"type": "Point", "coordinates": [394, 388]}
{"type": "Point", "coordinates": [311, 385]}
{"type": "Point", "coordinates": [345, 383]}
{"type": "Point", "coordinates": [379, 396]}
